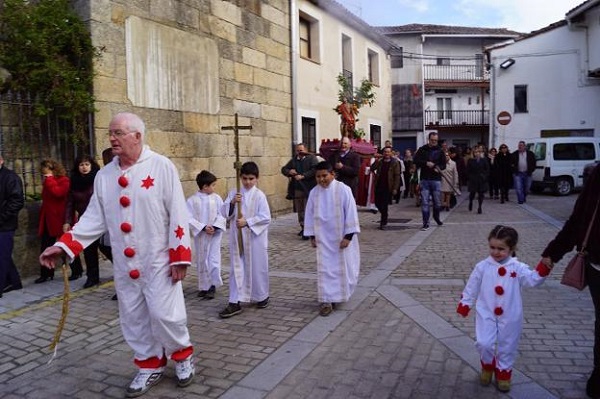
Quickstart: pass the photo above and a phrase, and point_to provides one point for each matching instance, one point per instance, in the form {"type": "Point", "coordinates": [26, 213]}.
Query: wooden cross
{"type": "Point", "coordinates": [237, 166]}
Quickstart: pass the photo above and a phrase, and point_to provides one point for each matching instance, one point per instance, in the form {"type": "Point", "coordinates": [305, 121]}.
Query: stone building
{"type": "Point", "coordinates": [186, 67]}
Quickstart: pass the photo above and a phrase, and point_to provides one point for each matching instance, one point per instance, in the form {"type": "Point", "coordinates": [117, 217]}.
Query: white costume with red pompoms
{"type": "Point", "coordinates": [497, 289]}
{"type": "Point", "coordinates": [205, 210]}
{"type": "Point", "coordinates": [145, 212]}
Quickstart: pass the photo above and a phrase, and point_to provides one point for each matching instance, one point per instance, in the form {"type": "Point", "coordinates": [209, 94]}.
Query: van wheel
{"type": "Point", "coordinates": [563, 186]}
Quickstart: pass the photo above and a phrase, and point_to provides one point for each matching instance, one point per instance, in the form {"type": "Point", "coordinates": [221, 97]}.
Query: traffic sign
{"type": "Point", "coordinates": [504, 118]}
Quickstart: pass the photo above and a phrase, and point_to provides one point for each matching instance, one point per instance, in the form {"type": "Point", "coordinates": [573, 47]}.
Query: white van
{"type": "Point", "coordinates": [560, 162]}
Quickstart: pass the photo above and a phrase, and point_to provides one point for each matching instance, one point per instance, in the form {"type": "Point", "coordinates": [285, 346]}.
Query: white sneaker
{"type": "Point", "coordinates": [185, 372]}
{"type": "Point", "coordinates": [143, 381]}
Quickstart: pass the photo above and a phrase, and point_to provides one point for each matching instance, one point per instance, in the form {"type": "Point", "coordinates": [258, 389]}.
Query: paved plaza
{"type": "Point", "coordinates": [398, 337]}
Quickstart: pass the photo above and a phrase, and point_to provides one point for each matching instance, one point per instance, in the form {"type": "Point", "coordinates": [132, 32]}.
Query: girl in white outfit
{"type": "Point", "coordinates": [495, 284]}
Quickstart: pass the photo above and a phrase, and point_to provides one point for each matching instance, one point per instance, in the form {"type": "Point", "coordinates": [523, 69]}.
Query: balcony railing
{"type": "Point", "coordinates": [456, 118]}
{"type": "Point", "coordinates": [456, 73]}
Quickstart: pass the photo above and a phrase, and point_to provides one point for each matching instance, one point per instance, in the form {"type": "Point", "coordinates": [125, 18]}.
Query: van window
{"type": "Point", "coordinates": [574, 151]}
{"type": "Point", "coordinates": [539, 150]}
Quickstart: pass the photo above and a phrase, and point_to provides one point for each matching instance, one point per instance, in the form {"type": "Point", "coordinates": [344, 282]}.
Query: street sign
{"type": "Point", "coordinates": [504, 118]}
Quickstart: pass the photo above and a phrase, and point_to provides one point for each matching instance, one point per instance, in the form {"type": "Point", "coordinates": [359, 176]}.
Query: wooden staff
{"type": "Point", "coordinates": [238, 167]}
{"type": "Point", "coordinates": [65, 311]}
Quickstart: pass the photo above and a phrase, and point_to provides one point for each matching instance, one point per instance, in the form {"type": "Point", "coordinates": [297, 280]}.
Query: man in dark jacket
{"type": "Point", "coordinates": [430, 159]}
{"type": "Point", "coordinates": [522, 164]}
{"type": "Point", "coordinates": [301, 172]}
{"type": "Point", "coordinates": [11, 202]}
{"type": "Point", "coordinates": [346, 164]}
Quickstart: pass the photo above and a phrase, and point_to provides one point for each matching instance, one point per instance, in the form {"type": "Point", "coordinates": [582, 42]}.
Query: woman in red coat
{"type": "Point", "coordinates": [55, 190]}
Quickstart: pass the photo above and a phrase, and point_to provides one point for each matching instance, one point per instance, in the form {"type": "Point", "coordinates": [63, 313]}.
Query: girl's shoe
{"type": "Point", "coordinates": [485, 378]}
{"type": "Point", "coordinates": [503, 385]}
{"type": "Point", "coordinates": [503, 380]}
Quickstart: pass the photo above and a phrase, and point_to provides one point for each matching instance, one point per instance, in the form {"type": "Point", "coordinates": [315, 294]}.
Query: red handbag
{"type": "Point", "coordinates": [574, 275]}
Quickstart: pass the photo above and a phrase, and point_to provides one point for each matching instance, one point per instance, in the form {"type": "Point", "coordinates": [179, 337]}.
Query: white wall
{"type": "Point", "coordinates": [560, 96]}
{"type": "Point", "coordinates": [317, 87]}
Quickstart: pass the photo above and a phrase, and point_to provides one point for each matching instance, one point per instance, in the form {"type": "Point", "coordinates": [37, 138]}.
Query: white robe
{"type": "Point", "coordinates": [249, 273]}
{"type": "Point", "coordinates": [205, 210]}
{"type": "Point", "coordinates": [143, 208]}
{"type": "Point", "coordinates": [502, 329]}
{"type": "Point", "coordinates": [330, 215]}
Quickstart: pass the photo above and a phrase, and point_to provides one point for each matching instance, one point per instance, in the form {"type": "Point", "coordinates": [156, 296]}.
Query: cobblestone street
{"type": "Point", "coordinates": [398, 337]}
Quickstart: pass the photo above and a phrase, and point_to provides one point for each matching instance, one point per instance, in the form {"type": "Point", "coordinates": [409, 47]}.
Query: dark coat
{"type": "Point", "coordinates": [11, 199]}
{"type": "Point", "coordinates": [305, 167]}
{"type": "Point", "coordinates": [427, 153]}
{"type": "Point", "coordinates": [393, 176]}
{"type": "Point", "coordinates": [504, 170]}
{"type": "Point", "coordinates": [514, 162]}
{"type": "Point", "coordinates": [573, 232]}
{"type": "Point", "coordinates": [478, 174]}
{"type": "Point", "coordinates": [348, 174]}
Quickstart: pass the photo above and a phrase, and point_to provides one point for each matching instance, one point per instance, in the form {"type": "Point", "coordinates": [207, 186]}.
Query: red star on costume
{"type": "Point", "coordinates": [148, 182]}
{"type": "Point", "coordinates": [179, 232]}
{"type": "Point", "coordinates": [513, 274]}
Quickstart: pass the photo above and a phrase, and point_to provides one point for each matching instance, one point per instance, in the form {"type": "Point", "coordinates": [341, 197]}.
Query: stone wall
{"type": "Point", "coordinates": [186, 67]}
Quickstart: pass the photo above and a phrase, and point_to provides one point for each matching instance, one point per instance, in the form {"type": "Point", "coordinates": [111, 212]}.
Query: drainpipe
{"type": "Point", "coordinates": [294, 69]}
{"type": "Point", "coordinates": [492, 133]}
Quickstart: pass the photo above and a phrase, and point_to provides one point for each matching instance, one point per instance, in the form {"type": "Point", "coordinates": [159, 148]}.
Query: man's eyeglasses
{"type": "Point", "coordinates": [117, 133]}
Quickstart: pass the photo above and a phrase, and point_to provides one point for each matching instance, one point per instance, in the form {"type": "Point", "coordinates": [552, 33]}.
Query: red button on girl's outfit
{"type": "Point", "coordinates": [124, 201]}
{"type": "Point", "coordinates": [129, 252]}
{"type": "Point", "coordinates": [502, 271]}
{"type": "Point", "coordinates": [498, 311]}
{"type": "Point", "coordinates": [134, 274]}
{"type": "Point", "coordinates": [499, 290]}
{"type": "Point", "coordinates": [123, 182]}
{"type": "Point", "coordinates": [125, 227]}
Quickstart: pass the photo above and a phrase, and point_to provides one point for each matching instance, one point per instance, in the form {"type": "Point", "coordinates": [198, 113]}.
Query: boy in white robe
{"type": "Point", "coordinates": [331, 222]}
{"type": "Point", "coordinates": [207, 226]}
{"type": "Point", "coordinates": [249, 273]}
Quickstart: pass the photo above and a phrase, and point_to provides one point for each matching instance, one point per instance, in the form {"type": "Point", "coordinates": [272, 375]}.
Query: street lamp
{"type": "Point", "coordinates": [507, 64]}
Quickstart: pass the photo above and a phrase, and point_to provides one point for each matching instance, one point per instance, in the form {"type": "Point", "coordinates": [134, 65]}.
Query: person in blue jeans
{"type": "Point", "coordinates": [522, 164]}
{"type": "Point", "coordinates": [431, 160]}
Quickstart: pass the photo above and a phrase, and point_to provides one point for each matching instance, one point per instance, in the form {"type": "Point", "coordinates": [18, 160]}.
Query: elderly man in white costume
{"type": "Point", "coordinates": [331, 221]}
{"type": "Point", "coordinates": [138, 198]}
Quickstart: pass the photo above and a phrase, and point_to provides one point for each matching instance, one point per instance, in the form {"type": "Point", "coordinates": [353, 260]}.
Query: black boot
{"type": "Point", "coordinates": [593, 384]}
{"type": "Point", "coordinates": [470, 205]}
{"type": "Point", "coordinates": [436, 216]}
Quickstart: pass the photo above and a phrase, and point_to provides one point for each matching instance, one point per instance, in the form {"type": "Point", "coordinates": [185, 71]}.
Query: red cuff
{"type": "Point", "coordinates": [182, 354]}
{"type": "Point", "coordinates": [463, 310]}
{"type": "Point", "coordinates": [542, 269]}
{"type": "Point", "coordinates": [180, 255]}
{"type": "Point", "coordinates": [74, 245]}
{"type": "Point", "coordinates": [151, 363]}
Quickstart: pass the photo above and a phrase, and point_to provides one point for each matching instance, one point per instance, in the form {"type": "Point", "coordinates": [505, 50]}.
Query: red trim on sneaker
{"type": "Point", "coordinates": [489, 367]}
{"type": "Point", "coordinates": [151, 363]}
{"type": "Point", "coordinates": [503, 374]}
{"type": "Point", "coordinates": [182, 354]}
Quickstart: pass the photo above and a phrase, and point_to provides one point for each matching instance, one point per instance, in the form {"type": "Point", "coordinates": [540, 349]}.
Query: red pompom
{"type": "Point", "coordinates": [129, 252]}
{"type": "Point", "coordinates": [124, 201]}
{"type": "Point", "coordinates": [499, 290]}
{"type": "Point", "coordinates": [463, 310]}
{"type": "Point", "coordinates": [134, 274]}
{"type": "Point", "coordinates": [502, 271]}
{"type": "Point", "coordinates": [126, 227]}
{"type": "Point", "coordinates": [123, 182]}
{"type": "Point", "coordinates": [498, 311]}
